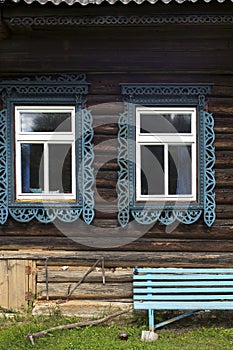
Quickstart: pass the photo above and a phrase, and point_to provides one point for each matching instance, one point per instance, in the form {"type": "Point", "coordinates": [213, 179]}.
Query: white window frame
{"type": "Point", "coordinates": [45, 138]}
{"type": "Point", "coordinates": [166, 139]}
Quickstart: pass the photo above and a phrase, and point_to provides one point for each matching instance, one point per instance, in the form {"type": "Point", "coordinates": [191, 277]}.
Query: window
{"type": "Point", "coordinates": [46, 153]}
{"type": "Point", "coordinates": [166, 155]}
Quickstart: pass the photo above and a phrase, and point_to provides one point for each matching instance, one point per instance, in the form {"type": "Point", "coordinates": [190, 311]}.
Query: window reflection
{"type": "Point", "coordinates": [165, 123]}
{"type": "Point", "coordinates": [45, 122]}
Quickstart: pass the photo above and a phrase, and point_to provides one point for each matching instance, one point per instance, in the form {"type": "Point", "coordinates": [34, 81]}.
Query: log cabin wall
{"type": "Point", "coordinates": [110, 55]}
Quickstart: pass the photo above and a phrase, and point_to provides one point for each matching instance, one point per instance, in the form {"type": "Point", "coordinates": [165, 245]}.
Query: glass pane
{"type": "Point", "coordinates": [32, 164]}
{"type": "Point", "coordinates": [152, 170]}
{"type": "Point", "coordinates": [60, 168]}
{"type": "Point", "coordinates": [45, 122]}
{"type": "Point", "coordinates": [180, 169]}
{"type": "Point", "coordinates": [165, 123]}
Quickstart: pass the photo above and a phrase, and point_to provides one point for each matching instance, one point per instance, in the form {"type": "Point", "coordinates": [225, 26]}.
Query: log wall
{"type": "Point", "coordinates": [111, 55]}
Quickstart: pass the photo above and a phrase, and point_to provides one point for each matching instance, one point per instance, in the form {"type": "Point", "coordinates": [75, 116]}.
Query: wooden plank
{"type": "Point", "coordinates": [224, 177]}
{"type": "Point", "coordinates": [176, 305]}
{"type": "Point", "coordinates": [31, 279]}
{"type": "Point", "coordinates": [17, 290]}
{"type": "Point", "coordinates": [224, 159]}
{"type": "Point", "coordinates": [4, 284]}
{"type": "Point", "coordinates": [120, 258]}
{"type": "Point", "coordinates": [200, 297]}
{"type": "Point", "coordinates": [80, 308]}
{"type": "Point", "coordinates": [75, 273]}
{"type": "Point", "coordinates": [113, 51]}
{"type": "Point", "coordinates": [150, 244]}
{"type": "Point", "coordinates": [224, 195]}
{"type": "Point", "coordinates": [86, 291]}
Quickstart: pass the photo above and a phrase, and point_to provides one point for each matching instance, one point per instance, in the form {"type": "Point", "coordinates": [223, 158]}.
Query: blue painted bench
{"type": "Point", "coordinates": [182, 289]}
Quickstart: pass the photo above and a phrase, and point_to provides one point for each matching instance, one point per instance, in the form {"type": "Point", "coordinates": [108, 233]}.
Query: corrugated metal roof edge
{"type": "Point", "coordinates": [111, 2]}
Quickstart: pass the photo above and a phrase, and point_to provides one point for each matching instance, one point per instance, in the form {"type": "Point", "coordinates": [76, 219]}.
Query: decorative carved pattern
{"type": "Point", "coordinates": [62, 78]}
{"type": "Point", "coordinates": [3, 169]}
{"type": "Point", "coordinates": [87, 167]}
{"type": "Point", "coordinates": [120, 20]}
{"type": "Point", "coordinates": [166, 217]}
{"type": "Point", "coordinates": [123, 176]}
{"type": "Point", "coordinates": [164, 90]}
{"type": "Point", "coordinates": [45, 215]}
{"type": "Point", "coordinates": [66, 84]}
{"type": "Point", "coordinates": [49, 88]}
{"type": "Point", "coordinates": [148, 94]}
{"type": "Point", "coordinates": [209, 155]}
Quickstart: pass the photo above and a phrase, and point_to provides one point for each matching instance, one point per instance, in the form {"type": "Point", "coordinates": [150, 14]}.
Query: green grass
{"type": "Point", "coordinates": [106, 337]}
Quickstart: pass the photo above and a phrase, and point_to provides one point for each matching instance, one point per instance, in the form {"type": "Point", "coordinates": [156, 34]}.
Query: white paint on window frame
{"type": "Point", "coordinates": [45, 138]}
{"type": "Point", "coordinates": [166, 139]}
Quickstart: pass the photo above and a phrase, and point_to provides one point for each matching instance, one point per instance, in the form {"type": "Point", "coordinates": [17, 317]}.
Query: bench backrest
{"type": "Point", "coordinates": [183, 288]}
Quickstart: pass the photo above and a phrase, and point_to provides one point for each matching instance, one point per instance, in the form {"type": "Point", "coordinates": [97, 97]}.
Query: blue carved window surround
{"type": "Point", "coordinates": [173, 95]}
{"type": "Point", "coordinates": [66, 89]}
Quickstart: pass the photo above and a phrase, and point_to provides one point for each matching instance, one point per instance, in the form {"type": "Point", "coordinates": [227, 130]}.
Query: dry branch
{"type": "Point", "coordinates": [70, 292]}
{"type": "Point", "coordinates": [40, 334]}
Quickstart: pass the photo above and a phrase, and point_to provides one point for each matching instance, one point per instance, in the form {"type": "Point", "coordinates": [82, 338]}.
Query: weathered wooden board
{"type": "Point", "coordinates": [17, 283]}
{"type": "Point", "coordinates": [75, 273]}
{"type": "Point", "coordinates": [4, 284]}
{"type": "Point", "coordinates": [98, 291]}
{"type": "Point", "coordinates": [114, 259]}
{"type": "Point", "coordinates": [81, 308]}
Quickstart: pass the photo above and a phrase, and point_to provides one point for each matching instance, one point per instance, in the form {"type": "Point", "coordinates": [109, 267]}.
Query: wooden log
{"type": "Point", "coordinates": [108, 179]}
{"type": "Point", "coordinates": [75, 273]}
{"type": "Point", "coordinates": [113, 51]}
{"type": "Point", "coordinates": [221, 119]}
{"type": "Point", "coordinates": [104, 113]}
{"type": "Point", "coordinates": [101, 231]}
{"type": "Point", "coordinates": [224, 142]}
{"type": "Point", "coordinates": [224, 177]}
{"type": "Point", "coordinates": [224, 159]}
{"type": "Point", "coordinates": [119, 258]}
{"type": "Point", "coordinates": [100, 82]}
{"type": "Point", "coordinates": [224, 211]}
{"type": "Point", "coordinates": [105, 143]}
{"type": "Point", "coordinates": [80, 308]}
{"type": "Point", "coordinates": [97, 291]}
{"type": "Point", "coordinates": [224, 196]}
{"type": "Point", "coordinates": [222, 91]}
{"type": "Point", "coordinates": [106, 162]}
{"type": "Point", "coordinates": [221, 106]}
{"type": "Point", "coordinates": [109, 129]}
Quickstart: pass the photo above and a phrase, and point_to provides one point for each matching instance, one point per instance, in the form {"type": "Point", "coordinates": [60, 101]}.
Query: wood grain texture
{"type": "Point", "coordinates": [110, 56]}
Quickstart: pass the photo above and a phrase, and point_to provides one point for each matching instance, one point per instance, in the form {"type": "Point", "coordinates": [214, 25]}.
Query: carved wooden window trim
{"type": "Point", "coordinates": [165, 95]}
{"type": "Point", "coordinates": [47, 90]}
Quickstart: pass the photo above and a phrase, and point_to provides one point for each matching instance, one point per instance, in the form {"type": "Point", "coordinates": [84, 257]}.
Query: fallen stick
{"type": "Point", "coordinates": [40, 334]}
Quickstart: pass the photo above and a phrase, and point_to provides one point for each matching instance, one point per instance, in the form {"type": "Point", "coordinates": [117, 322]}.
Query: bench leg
{"type": "Point", "coordinates": [151, 320]}
{"type": "Point", "coordinates": [177, 318]}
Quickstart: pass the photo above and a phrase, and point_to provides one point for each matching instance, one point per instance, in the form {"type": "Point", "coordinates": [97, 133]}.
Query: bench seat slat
{"type": "Point", "coordinates": [188, 290]}
{"type": "Point", "coordinates": [184, 277]}
{"type": "Point", "coordinates": [176, 305]}
{"type": "Point", "coordinates": [183, 283]}
{"type": "Point", "coordinates": [185, 270]}
{"type": "Point", "coordinates": [183, 297]}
